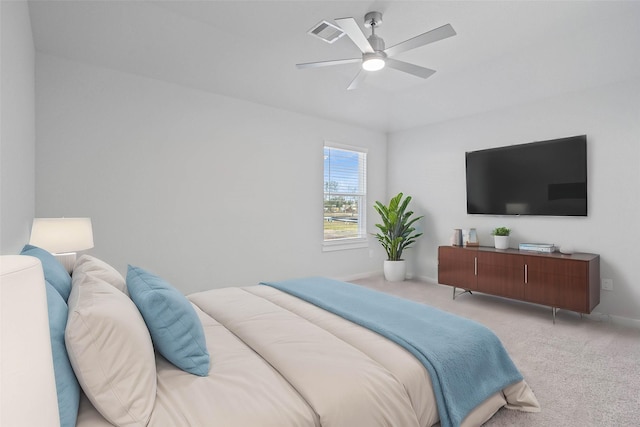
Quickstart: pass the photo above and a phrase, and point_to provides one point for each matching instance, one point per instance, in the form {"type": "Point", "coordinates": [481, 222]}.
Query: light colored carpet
{"type": "Point", "coordinates": [584, 372]}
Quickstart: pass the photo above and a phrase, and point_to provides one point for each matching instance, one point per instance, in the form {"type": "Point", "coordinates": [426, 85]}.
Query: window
{"type": "Point", "coordinates": [345, 197]}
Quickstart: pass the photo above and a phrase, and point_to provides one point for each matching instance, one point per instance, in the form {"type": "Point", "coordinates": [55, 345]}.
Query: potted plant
{"type": "Point", "coordinates": [396, 234]}
{"type": "Point", "coordinates": [501, 237]}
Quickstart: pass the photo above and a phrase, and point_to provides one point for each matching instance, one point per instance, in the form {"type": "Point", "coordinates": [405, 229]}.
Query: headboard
{"type": "Point", "coordinates": [27, 383]}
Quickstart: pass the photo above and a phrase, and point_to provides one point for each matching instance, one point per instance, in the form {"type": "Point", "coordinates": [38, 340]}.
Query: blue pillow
{"type": "Point", "coordinates": [66, 383]}
{"type": "Point", "coordinates": [173, 324]}
{"type": "Point", "coordinates": [54, 272]}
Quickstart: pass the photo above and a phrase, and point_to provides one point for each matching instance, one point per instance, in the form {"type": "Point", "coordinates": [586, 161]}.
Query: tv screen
{"type": "Point", "coordinates": [539, 178]}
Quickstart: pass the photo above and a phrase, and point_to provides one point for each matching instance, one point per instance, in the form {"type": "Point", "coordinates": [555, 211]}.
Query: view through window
{"type": "Point", "coordinates": [344, 193]}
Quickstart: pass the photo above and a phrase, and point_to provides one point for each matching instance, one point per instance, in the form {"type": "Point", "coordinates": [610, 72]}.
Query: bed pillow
{"type": "Point", "coordinates": [111, 352]}
{"type": "Point", "coordinates": [173, 323]}
{"type": "Point", "coordinates": [67, 386]}
{"type": "Point", "coordinates": [54, 272]}
{"type": "Point", "coordinates": [97, 268]}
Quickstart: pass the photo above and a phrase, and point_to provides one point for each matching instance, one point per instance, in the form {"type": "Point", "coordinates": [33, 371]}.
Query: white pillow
{"type": "Point", "coordinates": [93, 266]}
{"type": "Point", "coordinates": [111, 351]}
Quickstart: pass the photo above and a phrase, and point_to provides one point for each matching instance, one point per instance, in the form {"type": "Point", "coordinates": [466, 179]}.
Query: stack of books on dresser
{"type": "Point", "coordinates": [546, 248]}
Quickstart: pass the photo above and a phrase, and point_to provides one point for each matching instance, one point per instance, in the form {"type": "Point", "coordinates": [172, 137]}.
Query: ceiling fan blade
{"type": "Point", "coordinates": [328, 63]}
{"type": "Point", "coordinates": [355, 83]}
{"type": "Point", "coordinates": [416, 70]}
{"type": "Point", "coordinates": [351, 27]}
{"type": "Point", "coordinates": [421, 40]}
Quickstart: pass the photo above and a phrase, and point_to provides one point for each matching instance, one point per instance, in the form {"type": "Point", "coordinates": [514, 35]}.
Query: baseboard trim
{"type": "Point", "coordinates": [617, 320]}
{"type": "Point", "coordinates": [427, 279]}
{"type": "Point", "coordinates": [359, 276]}
{"type": "Point", "coordinates": [378, 273]}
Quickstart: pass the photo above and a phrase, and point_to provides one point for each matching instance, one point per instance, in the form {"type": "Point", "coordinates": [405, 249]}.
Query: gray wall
{"type": "Point", "coordinates": [429, 164]}
{"type": "Point", "coordinates": [17, 127]}
{"type": "Point", "coordinates": [210, 191]}
{"type": "Point", "coordinates": [202, 189]}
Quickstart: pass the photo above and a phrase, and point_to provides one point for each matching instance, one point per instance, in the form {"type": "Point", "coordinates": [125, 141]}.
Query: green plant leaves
{"type": "Point", "coordinates": [501, 231]}
{"type": "Point", "coordinates": [396, 231]}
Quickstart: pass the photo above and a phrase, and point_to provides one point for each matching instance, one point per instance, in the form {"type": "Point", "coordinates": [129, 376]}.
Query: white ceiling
{"type": "Point", "coordinates": [505, 53]}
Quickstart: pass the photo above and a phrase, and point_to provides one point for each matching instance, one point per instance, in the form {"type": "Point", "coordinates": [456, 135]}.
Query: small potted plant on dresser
{"type": "Point", "coordinates": [396, 234]}
{"type": "Point", "coordinates": [501, 237]}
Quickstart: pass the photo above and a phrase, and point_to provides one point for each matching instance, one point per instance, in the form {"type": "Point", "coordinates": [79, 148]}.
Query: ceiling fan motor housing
{"type": "Point", "coordinates": [376, 43]}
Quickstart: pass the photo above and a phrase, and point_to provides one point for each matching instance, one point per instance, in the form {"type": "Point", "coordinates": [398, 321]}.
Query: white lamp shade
{"type": "Point", "coordinates": [61, 235]}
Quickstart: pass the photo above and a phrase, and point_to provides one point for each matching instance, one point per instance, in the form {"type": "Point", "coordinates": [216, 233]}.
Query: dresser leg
{"type": "Point", "coordinates": [463, 292]}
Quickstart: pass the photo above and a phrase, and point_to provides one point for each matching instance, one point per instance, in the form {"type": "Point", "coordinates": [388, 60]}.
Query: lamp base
{"type": "Point", "coordinates": [67, 260]}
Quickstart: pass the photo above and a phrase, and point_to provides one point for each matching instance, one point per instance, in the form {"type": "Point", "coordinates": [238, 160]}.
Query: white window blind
{"type": "Point", "coordinates": [345, 193]}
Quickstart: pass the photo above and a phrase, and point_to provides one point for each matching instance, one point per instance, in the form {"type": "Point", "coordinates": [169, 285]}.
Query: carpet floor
{"type": "Point", "coordinates": [584, 372]}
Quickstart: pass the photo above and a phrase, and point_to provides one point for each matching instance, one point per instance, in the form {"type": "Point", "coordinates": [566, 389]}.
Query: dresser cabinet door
{"type": "Point", "coordinates": [501, 274]}
{"type": "Point", "coordinates": [457, 267]}
{"type": "Point", "coordinates": [557, 282]}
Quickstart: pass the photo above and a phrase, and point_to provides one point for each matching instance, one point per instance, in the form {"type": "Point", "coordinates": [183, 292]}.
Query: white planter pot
{"type": "Point", "coordinates": [395, 271]}
{"type": "Point", "coordinates": [501, 242]}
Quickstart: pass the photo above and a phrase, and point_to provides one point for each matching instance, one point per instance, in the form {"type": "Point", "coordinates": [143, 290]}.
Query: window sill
{"type": "Point", "coordinates": [345, 244]}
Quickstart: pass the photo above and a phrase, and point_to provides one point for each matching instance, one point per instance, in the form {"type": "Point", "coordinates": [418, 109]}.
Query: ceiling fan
{"type": "Point", "coordinates": [374, 55]}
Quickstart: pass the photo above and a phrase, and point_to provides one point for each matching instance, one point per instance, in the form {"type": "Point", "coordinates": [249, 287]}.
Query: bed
{"type": "Point", "coordinates": [273, 359]}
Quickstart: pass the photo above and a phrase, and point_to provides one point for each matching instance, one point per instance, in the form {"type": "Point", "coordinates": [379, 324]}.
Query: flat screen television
{"type": "Point", "coordinates": [538, 178]}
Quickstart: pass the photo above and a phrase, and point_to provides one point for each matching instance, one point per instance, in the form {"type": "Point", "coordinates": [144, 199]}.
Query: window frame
{"type": "Point", "coordinates": [362, 240]}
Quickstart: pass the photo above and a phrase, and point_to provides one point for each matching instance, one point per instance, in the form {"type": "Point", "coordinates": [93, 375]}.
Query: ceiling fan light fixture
{"type": "Point", "coordinates": [373, 61]}
{"type": "Point", "coordinates": [375, 56]}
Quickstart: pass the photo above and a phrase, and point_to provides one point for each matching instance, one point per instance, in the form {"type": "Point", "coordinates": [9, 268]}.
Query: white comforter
{"type": "Point", "coordinates": [279, 361]}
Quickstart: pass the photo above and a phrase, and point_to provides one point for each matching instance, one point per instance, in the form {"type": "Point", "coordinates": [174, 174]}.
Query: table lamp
{"type": "Point", "coordinates": [62, 237]}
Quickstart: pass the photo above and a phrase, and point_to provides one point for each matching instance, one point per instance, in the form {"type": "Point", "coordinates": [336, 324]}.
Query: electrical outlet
{"type": "Point", "coordinates": [607, 284]}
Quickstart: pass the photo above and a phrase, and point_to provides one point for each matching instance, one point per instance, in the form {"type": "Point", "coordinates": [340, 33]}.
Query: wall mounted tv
{"type": "Point", "coordinates": [538, 178]}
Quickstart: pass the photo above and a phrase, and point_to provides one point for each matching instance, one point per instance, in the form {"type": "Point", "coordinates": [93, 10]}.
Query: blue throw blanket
{"type": "Point", "coordinates": [466, 361]}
